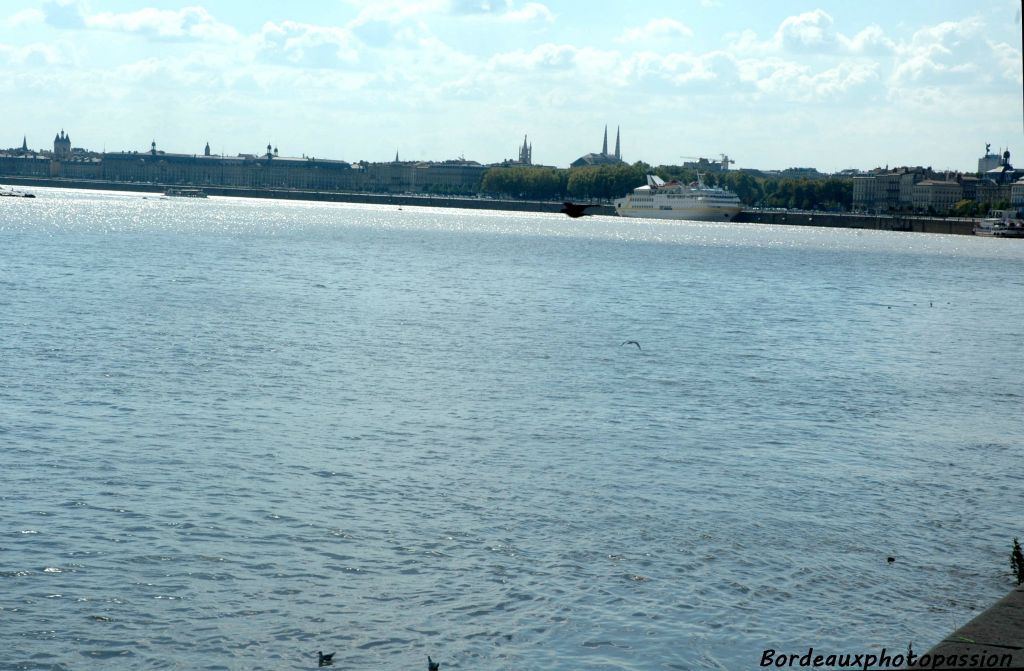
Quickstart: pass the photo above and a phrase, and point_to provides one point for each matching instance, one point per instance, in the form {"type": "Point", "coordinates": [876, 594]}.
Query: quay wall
{"type": "Point", "coordinates": [880, 222]}
{"type": "Point", "coordinates": [918, 224]}
{"type": "Point", "coordinates": [986, 642]}
{"type": "Point", "coordinates": [322, 196]}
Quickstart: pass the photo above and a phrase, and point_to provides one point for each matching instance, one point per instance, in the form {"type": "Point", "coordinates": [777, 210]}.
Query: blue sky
{"type": "Point", "coordinates": [831, 85]}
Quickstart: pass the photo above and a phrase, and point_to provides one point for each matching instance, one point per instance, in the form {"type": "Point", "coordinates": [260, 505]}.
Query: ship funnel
{"type": "Point", "coordinates": [654, 181]}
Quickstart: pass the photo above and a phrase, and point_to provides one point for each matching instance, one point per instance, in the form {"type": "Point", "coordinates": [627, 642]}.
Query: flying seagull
{"type": "Point", "coordinates": [325, 660]}
{"type": "Point", "coordinates": [632, 342]}
{"type": "Point", "coordinates": [432, 665]}
{"type": "Point", "coordinates": [574, 210]}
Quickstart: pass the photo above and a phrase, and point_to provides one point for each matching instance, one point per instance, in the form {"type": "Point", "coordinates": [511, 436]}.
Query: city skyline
{"type": "Point", "coordinates": [793, 84]}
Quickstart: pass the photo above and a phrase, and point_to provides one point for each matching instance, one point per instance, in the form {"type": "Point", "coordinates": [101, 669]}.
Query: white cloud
{"type": "Point", "coordinates": [656, 29]}
{"type": "Point", "coordinates": [388, 22]}
{"type": "Point", "coordinates": [813, 33]}
{"type": "Point", "coordinates": [531, 11]}
{"type": "Point", "coordinates": [791, 81]}
{"type": "Point", "coordinates": [542, 57]}
{"type": "Point", "coordinates": [302, 44]}
{"type": "Point", "coordinates": [1008, 59]}
{"type": "Point", "coordinates": [476, 6]}
{"type": "Point", "coordinates": [23, 18]}
{"type": "Point", "coordinates": [944, 52]}
{"type": "Point", "coordinates": [193, 23]}
{"type": "Point", "coordinates": [36, 55]}
{"type": "Point", "coordinates": [714, 71]}
{"type": "Point", "coordinates": [398, 11]}
{"type": "Point", "coordinates": [810, 31]}
{"type": "Point", "coordinates": [946, 33]}
{"type": "Point", "coordinates": [871, 40]}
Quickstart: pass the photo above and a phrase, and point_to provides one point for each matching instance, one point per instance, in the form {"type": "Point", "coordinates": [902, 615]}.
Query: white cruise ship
{"type": "Point", "coordinates": [695, 202]}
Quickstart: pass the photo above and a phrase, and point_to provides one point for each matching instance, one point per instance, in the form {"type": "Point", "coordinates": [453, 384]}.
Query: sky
{"type": "Point", "coordinates": [772, 84]}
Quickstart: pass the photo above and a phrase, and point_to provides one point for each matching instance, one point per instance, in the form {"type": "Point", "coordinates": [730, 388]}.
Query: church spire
{"type": "Point", "coordinates": [525, 153]}
{"type": "Point", "coordinates": [604, 147]}
{"type": "Point", "coordinates": [618, 153]}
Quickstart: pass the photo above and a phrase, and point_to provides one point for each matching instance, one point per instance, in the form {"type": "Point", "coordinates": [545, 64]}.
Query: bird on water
{"type": "Point", "coordinates": [432, 665]}
{"type": "Point", "coordinates": [325, 660]}
{"type": "Point", "coordinates": [632, 342]}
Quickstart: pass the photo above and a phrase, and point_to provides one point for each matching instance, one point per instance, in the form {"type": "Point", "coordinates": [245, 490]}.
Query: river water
{"type": "Point", "coordinates": [235, 432]}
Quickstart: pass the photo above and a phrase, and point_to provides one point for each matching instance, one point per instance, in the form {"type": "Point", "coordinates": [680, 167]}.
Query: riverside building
{"type": "Point", "coordinates": [268, 170]}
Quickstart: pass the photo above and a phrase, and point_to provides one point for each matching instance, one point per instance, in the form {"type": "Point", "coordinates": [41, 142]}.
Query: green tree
{"type": "Point", "coordinates": [964, 208]}
{"type": "Point", "coordinates": [533, 183]}
{"type": "Point", "coordinates": [605, 181]}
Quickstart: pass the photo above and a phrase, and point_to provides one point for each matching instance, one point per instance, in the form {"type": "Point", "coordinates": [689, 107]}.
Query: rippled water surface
{"type": "Point", "coordinates": [236, 432]}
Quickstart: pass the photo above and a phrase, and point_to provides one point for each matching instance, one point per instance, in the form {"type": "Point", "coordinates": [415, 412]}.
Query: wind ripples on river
{"type": "Point", "coordinates": [238, 431]}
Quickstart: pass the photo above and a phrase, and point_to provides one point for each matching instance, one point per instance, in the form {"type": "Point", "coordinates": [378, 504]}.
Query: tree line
{"type": "Point", "coordinates": [614, 181]}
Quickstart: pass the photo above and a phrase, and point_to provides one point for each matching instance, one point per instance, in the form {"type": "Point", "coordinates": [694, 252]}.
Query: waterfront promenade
{"type": "Point", "coordinates": [994, 639]}
{"type": "Point", "coordinates": [909, 223]}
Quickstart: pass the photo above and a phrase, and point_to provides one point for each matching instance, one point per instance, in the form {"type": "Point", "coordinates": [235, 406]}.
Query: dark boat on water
{"type": "Point", "coordinates": [11, 193]}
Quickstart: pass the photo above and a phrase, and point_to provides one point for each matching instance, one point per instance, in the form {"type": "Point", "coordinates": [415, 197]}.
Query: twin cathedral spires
{"type": "Point", "coordinates": [603, 158]}
{"type": "Point", "coordinates": [604, 147]}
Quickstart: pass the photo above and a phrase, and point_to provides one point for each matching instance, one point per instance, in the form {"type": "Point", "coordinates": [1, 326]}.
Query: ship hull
{"type": "Point", "coordinates": [682, 214]}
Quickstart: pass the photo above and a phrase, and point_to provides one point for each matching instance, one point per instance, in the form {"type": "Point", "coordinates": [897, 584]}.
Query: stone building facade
{"type": "Point", "coordinates": [933, 196]}
{"type": "Point", "coordinates": [888, 191]}
{"type": "Point", "coordinates": [265, 171]}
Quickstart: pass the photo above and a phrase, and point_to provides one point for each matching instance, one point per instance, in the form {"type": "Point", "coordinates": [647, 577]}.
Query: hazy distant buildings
{"type": "Point", "coordinates": [268, 170]}
{"type": "Point", "coordinates": [604, 158]}
{"type": "Point", "coordinates": [907, 189]}
{"type": "Point", "coordinates": [707, 165]}
{"type": "Point", "coordinates": [880, 192]}
{"type": "Point", "coordinates": [923, 190]}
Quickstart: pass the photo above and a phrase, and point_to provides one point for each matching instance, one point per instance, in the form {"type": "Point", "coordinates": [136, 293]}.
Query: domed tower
{"type": "Point", "coordinates": [206, 152]}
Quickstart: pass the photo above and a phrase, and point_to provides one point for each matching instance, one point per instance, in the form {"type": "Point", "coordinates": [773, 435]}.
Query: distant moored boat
{"type": "Point", "coordinates": [1000, 224]}
{"type": "Point", "coordinates": [185, 193]}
